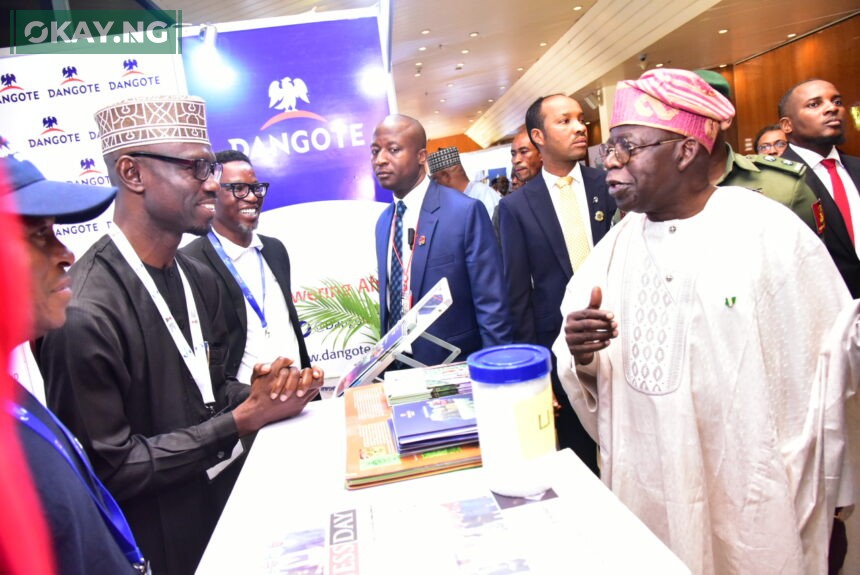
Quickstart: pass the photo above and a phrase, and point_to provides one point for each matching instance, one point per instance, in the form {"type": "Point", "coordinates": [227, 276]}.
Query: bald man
{"type": "Point", "coordinates": [430, 232]}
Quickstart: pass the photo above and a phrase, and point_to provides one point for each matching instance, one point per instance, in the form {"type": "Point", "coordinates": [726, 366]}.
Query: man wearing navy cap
{"type": "Point", "coordinates": [81, 535]}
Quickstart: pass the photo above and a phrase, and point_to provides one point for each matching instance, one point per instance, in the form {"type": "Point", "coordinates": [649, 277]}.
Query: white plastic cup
{"type": "Point", "coordinates": [513, 409]}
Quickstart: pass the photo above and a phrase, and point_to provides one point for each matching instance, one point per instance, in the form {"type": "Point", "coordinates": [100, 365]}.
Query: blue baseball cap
{"type": "Point", "coordinates": [38, 197]}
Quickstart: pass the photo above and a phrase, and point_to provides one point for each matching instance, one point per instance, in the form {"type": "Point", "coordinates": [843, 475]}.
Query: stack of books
{"type": "Point", "coordinates": [419, 384]}
{"type": "Point", "coordinates": [372, 453]}
{"type": "Point", "coordinates": [434, 423]}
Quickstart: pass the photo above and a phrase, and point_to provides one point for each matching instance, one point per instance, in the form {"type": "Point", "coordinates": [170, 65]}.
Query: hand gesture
{"type": "Point", "coordinates": [589, 330]}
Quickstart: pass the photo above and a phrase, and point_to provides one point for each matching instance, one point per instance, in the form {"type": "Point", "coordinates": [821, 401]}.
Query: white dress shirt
{"type": "Point", "coordinates": [281, 341]}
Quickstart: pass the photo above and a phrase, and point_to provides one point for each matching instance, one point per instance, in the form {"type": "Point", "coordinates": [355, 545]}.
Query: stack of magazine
{"type": "Point", "coordinates": [372, 453]}
{"type": "Point", "coordinates": [434, 423]}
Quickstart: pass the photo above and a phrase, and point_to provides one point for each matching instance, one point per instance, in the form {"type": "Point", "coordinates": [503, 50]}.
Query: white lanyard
{"type": "Point", "coordinates": [196, 360]}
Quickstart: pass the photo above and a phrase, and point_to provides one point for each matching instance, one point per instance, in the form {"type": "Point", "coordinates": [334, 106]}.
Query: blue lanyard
{"type": "Point", "coordinates": [107, 505]}
{"type": "Point", "coordinates": [259, 310]}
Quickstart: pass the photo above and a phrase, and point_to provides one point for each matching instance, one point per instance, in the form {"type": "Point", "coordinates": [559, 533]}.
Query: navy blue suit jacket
{"type": "Point", "coordinates": [455, 240]}
{"type": "Point", "coordinates": [537, 265]}
{"type": "Point", "coordinates": [835, 236]}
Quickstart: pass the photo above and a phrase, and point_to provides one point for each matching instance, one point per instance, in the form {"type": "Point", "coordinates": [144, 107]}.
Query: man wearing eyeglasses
{"type": "Point", "coordinates": [254, 271]}
{"type": "Point", "coordinates": [771, 141]}
{"type": "Point", "coordinates": [779, 179]}
{"type": "Point", "coordinates": [137, 372]}
{"type": "Point", "coordinates": [690, 345]}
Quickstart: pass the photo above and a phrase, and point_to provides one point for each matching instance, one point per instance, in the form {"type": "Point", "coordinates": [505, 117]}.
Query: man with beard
{"type": "Point", "coordinates": [690, 346]}
{"type": "Point", "coordinates": [525, 158]}
{"type": "Point", "coordinates": [813, 115]}
{"type": "Point", "coordinates": [547, 229]}
{"type": "Point", "coordinates": [137, 372]}
{"type": "Point", "coordinates": [254, 271]}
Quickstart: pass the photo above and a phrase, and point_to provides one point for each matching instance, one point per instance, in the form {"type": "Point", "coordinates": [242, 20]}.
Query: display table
{"type": "Point", "coordinates": [290, 513]}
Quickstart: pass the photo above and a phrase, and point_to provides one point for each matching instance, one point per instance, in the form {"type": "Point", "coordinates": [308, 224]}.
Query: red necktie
{"type": "Point", "coordinates": [839, 195]}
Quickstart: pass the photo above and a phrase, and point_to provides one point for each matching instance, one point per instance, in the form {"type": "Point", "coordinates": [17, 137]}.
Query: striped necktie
{"type": "Point", "coordinates": [572, 226]}
{"type": "Point", "coordinates": [395, 280]}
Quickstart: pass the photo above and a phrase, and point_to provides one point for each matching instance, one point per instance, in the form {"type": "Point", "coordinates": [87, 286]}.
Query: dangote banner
{"type": "Point", "coordinates": [301, 97]}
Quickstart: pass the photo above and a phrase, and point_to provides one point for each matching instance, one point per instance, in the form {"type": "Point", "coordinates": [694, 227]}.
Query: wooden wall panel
{"type": "Point", "coordinates": [461, 141]}
{"type": "Point", "coordinates": [830, 54]}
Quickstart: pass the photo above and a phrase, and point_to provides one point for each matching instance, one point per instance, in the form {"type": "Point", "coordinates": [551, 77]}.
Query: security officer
{"type": "Point", "coordinates": [778, 179]}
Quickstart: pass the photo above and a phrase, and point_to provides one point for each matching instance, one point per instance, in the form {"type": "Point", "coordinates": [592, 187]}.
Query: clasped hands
{"type": "Point", "coordinates": [279, 390]}
{"type": "Point", "coordinates": [589, 330]}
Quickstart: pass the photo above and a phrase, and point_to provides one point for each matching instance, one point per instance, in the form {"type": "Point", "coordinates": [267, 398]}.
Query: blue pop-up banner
{"type": "Point", "coordinates": [300, 100]}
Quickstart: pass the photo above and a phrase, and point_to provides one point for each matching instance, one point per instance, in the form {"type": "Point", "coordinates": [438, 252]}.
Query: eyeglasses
{"type": "Point", "coordinates": [769, 147]}
{"type": "Point", "coordinates": [623, 150]}
{"type": "Point", "coordinates": [241, 190]}
{"type": "Point", "coordinates": [201, 168]}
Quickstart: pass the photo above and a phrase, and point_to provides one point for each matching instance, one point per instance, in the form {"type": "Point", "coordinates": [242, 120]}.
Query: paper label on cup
{"type": "Point", "coordinates": [535, 425]}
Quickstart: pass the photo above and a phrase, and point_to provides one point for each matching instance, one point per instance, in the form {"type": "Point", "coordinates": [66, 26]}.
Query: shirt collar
{"type": "Point", "coordinates": [550, 179]}
{"type": "Point", "coordinates": [812, 159]}
{"type": "Point", "coordinates": [235, 251]}
{"type": "Point", "coordinates": [415, 198]}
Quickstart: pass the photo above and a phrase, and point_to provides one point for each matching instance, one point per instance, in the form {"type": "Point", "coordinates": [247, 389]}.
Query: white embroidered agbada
{"type": "Point", "coordinates": [706, 407]}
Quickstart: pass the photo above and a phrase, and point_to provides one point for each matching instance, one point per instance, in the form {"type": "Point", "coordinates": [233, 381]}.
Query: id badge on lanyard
{"type": "Point", "coordinates": [406, 295]}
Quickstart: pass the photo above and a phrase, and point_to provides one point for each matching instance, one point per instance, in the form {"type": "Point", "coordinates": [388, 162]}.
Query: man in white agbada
{"type": "Point", "coordinates": [710, 422]}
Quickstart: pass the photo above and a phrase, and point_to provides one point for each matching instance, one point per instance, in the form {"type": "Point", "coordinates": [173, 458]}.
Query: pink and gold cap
{"type": "Point", "coordinates": [674, 100]}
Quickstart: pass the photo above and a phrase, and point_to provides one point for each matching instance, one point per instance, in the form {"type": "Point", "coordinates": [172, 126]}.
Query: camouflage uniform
{"type": "Point", "coordinates": [778, 179]}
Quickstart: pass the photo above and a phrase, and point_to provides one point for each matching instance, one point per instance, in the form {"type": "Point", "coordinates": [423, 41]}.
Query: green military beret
{"type": "Point", "coordinates": [717, 82]}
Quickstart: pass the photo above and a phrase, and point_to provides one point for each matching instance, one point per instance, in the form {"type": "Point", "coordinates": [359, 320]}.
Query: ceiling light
{"type": "Point", "coordinates": [542, 44]}
{"type": "Point", "coordinates": [658, 65]}
{"type": "Point", "coordinates": [520, 69]}
{"type": "Point", "coordinates": [490, 100]}
{"type": "Point", "coordinates": [723, 31]}
{"type": "Point", "coordinates": [459, 66]}
{"type": "Point", "coordinates": [435, 111]}
{"type": "Point", "coordinates": [425, 31]}
{"type": "Point", "coordinates": [723, 65]}
{"type": "Point", "coordinates": [473, 34]}
{"type": "Point", "coordinates": [450, 84]}
{"type": "Point", "coordinates": [501, 87]}
{"type": "Point", "coordinates": [422, 48]}
{"type": "Point", "coordinates": [577, 8]}
{"type": "Point", "coordinates": [418, 73]}
{"type": "Point", "coordinates": [588, 123]}
{"type": "Point", "coordinates": [471, 120]}
{"type": "Point", "coordinates": [419, 64]}
{"type": "Point", "coordinates": [480, 112]}
{"type": "Point", "coordinates": [792, 35]}
{"type": "Point", "coordinates": [464, 51]}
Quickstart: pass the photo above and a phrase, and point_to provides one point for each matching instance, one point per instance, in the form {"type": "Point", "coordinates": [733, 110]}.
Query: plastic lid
{"type": "Point", "coordinates": [509, 363]}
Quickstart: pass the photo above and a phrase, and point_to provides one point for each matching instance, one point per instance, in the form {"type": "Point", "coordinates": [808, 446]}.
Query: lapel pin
{"type": "Point", "coordinates": [593, 199]}
{"type": "Point", "coordinates": [422, 240]}
{"type": "Point", "coordinates": [598, 216]}
{"type": "Point", "coordinates": [730, 301]}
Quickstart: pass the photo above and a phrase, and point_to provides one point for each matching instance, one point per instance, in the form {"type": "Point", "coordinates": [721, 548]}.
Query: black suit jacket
{"type": "Point", "coordinates": [276, 257]}
{"type": "Point", "coordinates": [835, 235]}
{"type": "Point", "coordinates": [537, 265]}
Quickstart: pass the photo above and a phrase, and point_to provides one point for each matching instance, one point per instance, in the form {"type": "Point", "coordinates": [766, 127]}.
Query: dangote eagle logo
{"type": "Point", "coordinates": [284, 94]}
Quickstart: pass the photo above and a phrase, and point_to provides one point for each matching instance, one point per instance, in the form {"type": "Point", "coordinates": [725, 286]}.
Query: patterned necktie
{"type": "Point", "coordinates": [839, 195]}
{"type": "Point", "coordinates": [572, 226]}
{"type": "Point", "coordinates": [395, 280]}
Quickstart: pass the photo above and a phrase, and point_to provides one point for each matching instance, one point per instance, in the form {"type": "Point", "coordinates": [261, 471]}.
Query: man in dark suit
{"type": "Point", "coordinates": [430, 232]}
{"type": "Point", "coordinates": [813, 116]}
{"type": "Point", "coordinates": [538, 233]}
{"type": "Point", "coordinates": [263, 323]}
